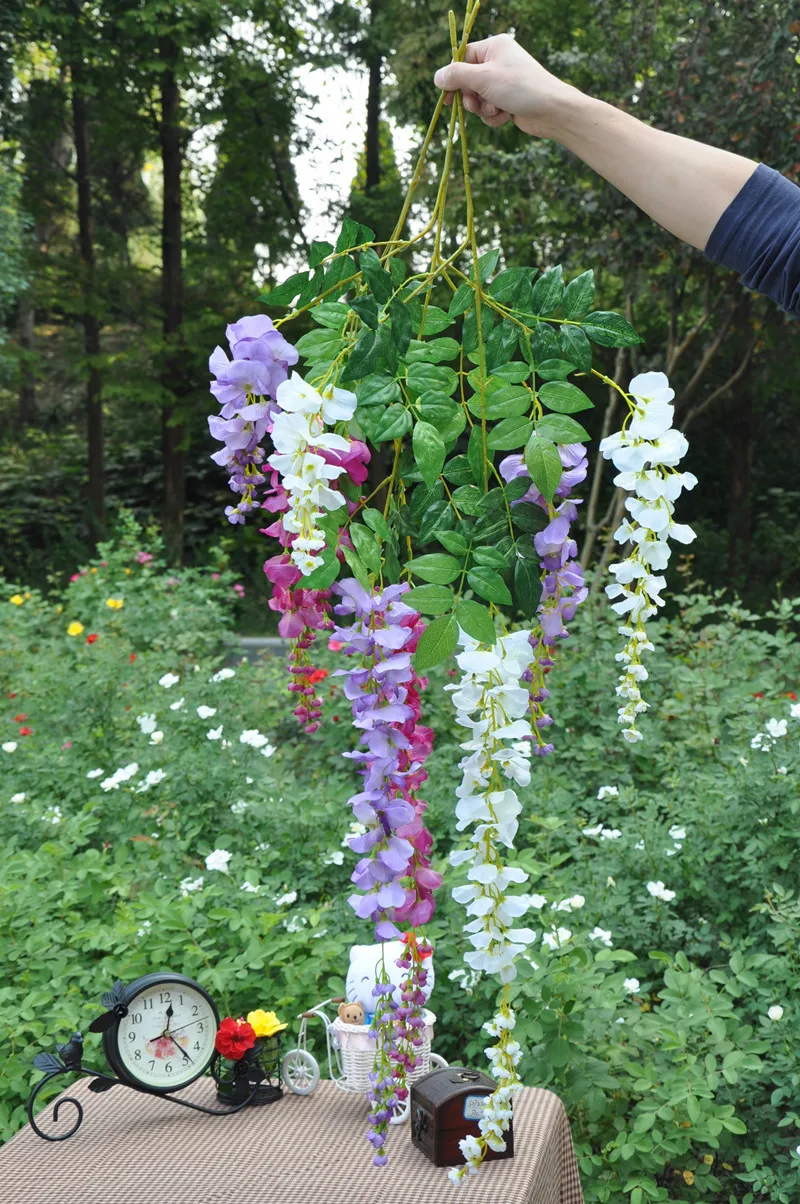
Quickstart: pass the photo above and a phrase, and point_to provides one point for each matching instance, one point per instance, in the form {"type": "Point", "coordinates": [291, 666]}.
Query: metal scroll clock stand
{"type": "Point", "coordinates": [251, 1080]}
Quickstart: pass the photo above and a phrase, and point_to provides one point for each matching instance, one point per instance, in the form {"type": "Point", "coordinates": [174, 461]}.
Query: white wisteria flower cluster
{"type": "Point", "coordinates": [298, 435]}
{"type": "Point", "coordinates": [493, 704]}
{"type": "Point", "coordinates": [645, 453]}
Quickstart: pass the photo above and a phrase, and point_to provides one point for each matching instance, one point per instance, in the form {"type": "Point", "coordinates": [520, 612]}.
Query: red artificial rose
{"type": "Point", "coordinates": [20, 718]}
{"type": "Point", "coordinates": [92, 639]}
{"type": "Point", "coordinates": [26, 731]}
{"type": "Point", "coordinates": [234, 1038]}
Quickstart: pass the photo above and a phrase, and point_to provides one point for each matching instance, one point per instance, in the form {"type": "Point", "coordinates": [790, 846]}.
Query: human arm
{"type": "Point", "coordinates": [683, 185]}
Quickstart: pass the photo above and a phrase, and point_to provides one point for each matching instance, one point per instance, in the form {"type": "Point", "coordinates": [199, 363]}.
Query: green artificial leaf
{"type": "Point", "coordinates": [325, 574]}
{"type": "Point", "coordinates": [429, 451]}
{"type": "Point", "coordinates": [377, 280]}
{"type": "Point", "coordinates": [430, 599]}
{"type": "Point", "coordinates": [501, 344]}
{"type": "Point", "coordinates": [509, 401]}
{"type": "Point", "coordinates": [527, 586]}
{"type": "Point", "coordinates": [561, 429]}
{"type": "Point", "coordinates": [544, 344]}
{"type": "Point", "coordinates": [319, 251]}
{"type": "Point", "coordinates": [432, 351]}
{"type": "Point", "coordinates": [332, 314]}
{"type": "Point", "coordinates": [377, 523]}
{"type": "Point", "coordinates": [435, 567]}
{"type": "Point", "coordinates": [544, 464]}
{"type": "Point", "coordinates": [529, 518]}
{"type": "Point", "coordinates": [461, 300]}
{"type": "Point", "coordinates": [348, 238]}
{"type": "Point", "coordinates": [285, 293]}
{"type": "Point", "coordinates": [505, 284]}
{"type": "Point", "coordinates": [401, 326]}
{"type": "Point", "coordinates": [476, 621]}
{"type": "Point", "coordinates": [576, 347]}
{"type": "Point", "coordinates": [547, 292]}
{"type": "Point", "coordinates": [513, 373]}
{"type": "Point", "coordinates": [397, 270]}
{"type": "Point", "coordinates": [508, 434]}
{"type": "Point", "coordinates": [437, 517]}
{"type": "Point", "coordinates": [469, 334]}
{"type": "Point", "coordinates": [363, 358]}
{"type": "Point", "coordinates": [489, 584]}
{"type": "Point", "coordinates": [377, 390]}
{"type": "Point", "coordinates": [554, 369]}
{"type": "Point", "coordinates": [434, 378]}
{"type": "Point", "coordinates": [437, 408]}
{"type": "Point", "coordinates": [564, 397]}
{"type": "Point", "coordinates": [437, 642]}
{"type": "Point", "coordinates": [319, 344]}
{"type": "Point", "coordinates": [578, 295]}
{"type": "Point", "coordinates": [367, 310]}
{"type": "Point", "coordinates": [452, 542]}
{"type": "Point", "coordinates": [312, 288]}
{"type": "Point", "coordinates": [436, 320]}
{"type": "Point", "coordinates": [486, 264]}
{"type": "Point", "coordinates": [359, 569]}
{"type": "Point", "coordinates": [491, 558]}
{"type": "Point", "coordinates": [608, 329]}
{"type": "Point", "coordinates": [454, 427]}
{"type": "Point", "coordinates": [339, 270]}
{"type": "Point", "coordinates": [392, 424]}
{"type": "Point", "coordinates": [468, 498]}
{"type": "Point", "coordinates": [475, 456]}
{"type": "Point", "coordinates": [458, 472]}
{"type": "Point", "coordinates": [367, 546]}
{"type": "Point", "coordinates": [388, 348]}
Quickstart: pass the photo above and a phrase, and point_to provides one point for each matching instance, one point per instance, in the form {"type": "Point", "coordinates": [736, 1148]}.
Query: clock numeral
{"type": "Point", "coordinates": [197, 1044]}
{"type": "Point", "coordinates": [132, 1035]}
{"type": "Point", "coordinates": [137, 1055]}
{"type": "Point", "coordinates": [200, 1026]}
{"type": "Point", "coordinates": [164, 997]}
{"type": "Point", "coordinates": [147, 1004]}
{"type": "Point", "coordinates": [136, 1018]}
{"type": "Point", "coordinates": [152, 1063]}
{"type": "Point", "coordinates": [195, 1009]}
{"type": "Point", "coordinates": [180, 1000]}
{"type": "Point", "coordinates": [168, 1067]}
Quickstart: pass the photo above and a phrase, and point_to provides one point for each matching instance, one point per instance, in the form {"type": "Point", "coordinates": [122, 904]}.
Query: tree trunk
{"type": "Point", "coordinates": [372, 142]}
{"type": "Point", "coordinates": [173, 430]}
{"type": "Point", "coordinates": [28, 411]}
{"type": "Point", "coordinates": [739, 508]}
{"type": "Point", "coordinates": [91, 323]}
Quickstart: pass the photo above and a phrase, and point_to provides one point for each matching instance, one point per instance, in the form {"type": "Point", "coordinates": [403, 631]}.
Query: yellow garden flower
{"type": "Point", "coordinates": [265, 1024]}
{"type": "Point", "coordinates": [16, 599]}
{"type": "Point", "coordinates": [75, 628]}
{"type": "Point", "coordinates": [114, 603]}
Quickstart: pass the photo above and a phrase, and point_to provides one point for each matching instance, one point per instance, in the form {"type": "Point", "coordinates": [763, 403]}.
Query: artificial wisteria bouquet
{"type": "Point", "coordinates": [392, 440]}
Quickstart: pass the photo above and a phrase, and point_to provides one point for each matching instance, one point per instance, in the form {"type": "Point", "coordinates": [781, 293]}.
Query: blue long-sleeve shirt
{"type": "Point", "coordinates": [758, 236]}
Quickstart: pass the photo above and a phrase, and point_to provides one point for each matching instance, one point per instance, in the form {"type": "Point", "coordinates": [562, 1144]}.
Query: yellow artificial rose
{"type": "Point", "coordinates": [75, 628]}
{"type": "Point", "coordinates": [264, 1024]}
{"type": "Point", "coordinates": [16, 599]}
{"type": "Point", "coordinates": [114, 603]}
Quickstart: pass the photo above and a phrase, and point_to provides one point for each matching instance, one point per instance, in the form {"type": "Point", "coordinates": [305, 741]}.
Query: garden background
{"type": "Point", "coordinates": [151, 191]}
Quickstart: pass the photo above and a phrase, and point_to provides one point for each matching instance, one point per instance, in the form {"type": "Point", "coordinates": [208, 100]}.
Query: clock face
{"type": "Point", "coordinates": [167, 1038]}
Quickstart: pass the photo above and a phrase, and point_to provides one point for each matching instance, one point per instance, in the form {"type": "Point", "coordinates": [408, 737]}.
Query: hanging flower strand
{"type": "Point", "coordinates": [645, 452]}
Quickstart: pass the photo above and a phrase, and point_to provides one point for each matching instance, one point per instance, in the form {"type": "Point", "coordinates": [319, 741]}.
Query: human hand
{"type": "Point", "coordinates": [500, 82]}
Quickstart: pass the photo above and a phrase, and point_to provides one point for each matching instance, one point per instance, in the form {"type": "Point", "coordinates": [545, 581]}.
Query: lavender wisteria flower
{"type": "Point", "coordinates": [493, 704]}
{"type": "Point", "coordinates": [261, 361]}
{"type": "Point", "coordinates": [645, 452]}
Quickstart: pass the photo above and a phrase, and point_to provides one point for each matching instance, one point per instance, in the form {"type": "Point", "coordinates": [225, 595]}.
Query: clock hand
{"type": "Point", "coordinates": [169, 1017]}
{"type": "Point", "coordinates": [189, 1025]}
{"type": "Point", "coordinates": [182, 1050]}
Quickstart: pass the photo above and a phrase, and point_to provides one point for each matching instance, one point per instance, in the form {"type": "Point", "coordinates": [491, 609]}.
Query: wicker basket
{"type": "Point", "coordinates": [355, 1050]}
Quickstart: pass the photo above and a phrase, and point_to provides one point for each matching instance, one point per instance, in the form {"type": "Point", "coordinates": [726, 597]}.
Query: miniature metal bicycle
{"type": "Point", "coordinates": [351, 1052]}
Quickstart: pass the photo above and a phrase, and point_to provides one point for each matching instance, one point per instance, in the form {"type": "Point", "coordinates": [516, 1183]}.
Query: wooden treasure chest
{"type": "Point", "coordinates": [445, 1107]}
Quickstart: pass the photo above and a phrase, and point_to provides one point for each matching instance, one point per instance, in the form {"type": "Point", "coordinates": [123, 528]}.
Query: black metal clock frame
{"type": "Point", "coordinates": [248, 1075]}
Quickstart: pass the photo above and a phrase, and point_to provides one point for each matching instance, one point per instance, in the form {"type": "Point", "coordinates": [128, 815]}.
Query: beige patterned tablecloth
{"type": "Point", "coordinates": [137, 1149]}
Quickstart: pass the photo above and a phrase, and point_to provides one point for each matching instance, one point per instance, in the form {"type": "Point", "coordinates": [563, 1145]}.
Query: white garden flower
{"type": "Point", "coordinates": [794, 710]}
{"type": "Point", "coordinates": [610, 834]}
{"type": "Point", "coordinates": [151, 779]}
{"type": "Point", "coordinates": [659, 891]}
{"type": "Point", "coordinates": [556, 937]}
{"type": "Point", "coordinates": [180, 705]}
{"type": "Point", "coordinates": [188, 885]}
{"type": "Point", "coordinates": [52, 815]}
{"type": "Point", "coordinates": [168, 680]}
{"type": "Point", "coordinates": [95, 773]}
{"type": "Point", "coordinates": [334, 858]}
{"type": "Point", "coordinates": [677, 832]}
{"type": "Point", "coordinates": [250, 887]}
{"type": "Point", "coordinates": [602, 935]}
{"type": "Point", "coordinates": [631, 985]}
{"type": "Point", "coordinates": [607, 792]}
{"type": "Point", "coordinates": [355, 829]}
{"type": "Point", "coordinates": [287, 899]}
{"type": "Point", "coordinates": [775, 1012]}
{"type": "Point", "coordinates": [145, 928]}
{"type": "Point", "coordinates": [18, 798]}
{"type": "Point", "coordinates": [645, 455]}
{"type": "Point", "coordinates": [782, 770]}
{"type": "Point", "coordinates": [119, 776]}
{"type": "Point", "coordinates": [223, 675]}
{"type": "Point", "coordinates": [218, 860]}
{"type": "Point", "coordinates": [157, 738]}
{"type": "Point", "coordinates": [239, 807]}
{"type": "Point", "coordinates": [10, 746]}
{"type": "Point", "coordinates": [147, 724]}
{"type": "Point", "coordinates": [268, 750]}
{"type": "Point", "coordinates": [206, 712]}
{"type": "Point", "coordinates": [264, 847]}
{"type": "Point", "coordinates": [595, 831]}
{"type": "Point", "coordinates": [254, 738]}
{"type": "Point", "coordinates": [776, 728]}
{"type": "Point", "coordinates": [215, 733]}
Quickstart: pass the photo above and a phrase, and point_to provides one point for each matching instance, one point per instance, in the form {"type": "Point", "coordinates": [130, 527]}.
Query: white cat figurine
{"type": "Point", "coordinates": [365, 961]}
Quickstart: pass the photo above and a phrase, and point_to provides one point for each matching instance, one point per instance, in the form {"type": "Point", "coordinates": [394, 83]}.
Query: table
{"type": "Point", "coordinates": [136, 1149]}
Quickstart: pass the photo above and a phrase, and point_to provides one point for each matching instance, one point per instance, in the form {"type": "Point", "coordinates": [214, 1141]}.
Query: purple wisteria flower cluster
{"type": "Point", "coordinates": [261, 361]}
{"type": "Point", "coordinates": [384, 1103]}
{"type": "Point", "coordinates": [563, 585]}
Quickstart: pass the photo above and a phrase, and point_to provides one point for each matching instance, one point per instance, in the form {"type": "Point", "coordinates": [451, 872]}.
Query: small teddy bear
{"type": "Point", "coordinates": [351, 1013]}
